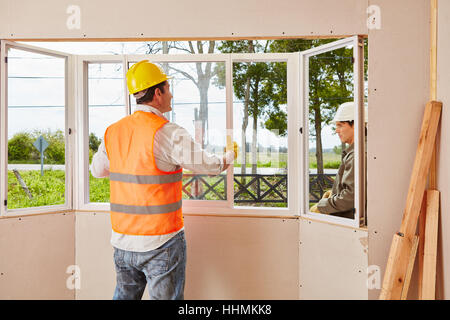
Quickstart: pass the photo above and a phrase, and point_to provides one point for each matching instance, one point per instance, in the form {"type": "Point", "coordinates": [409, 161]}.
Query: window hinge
{"type": "Point", "coordinates": [353, 59]}
{"type": "Point", "coordinates": [301, 130]}
{"type": "Point", "coordinates": [6, 59]}
{"type": "Point", "coordinates": [70, 131]}
{"type": "Point", "coordinates": [6, 203]}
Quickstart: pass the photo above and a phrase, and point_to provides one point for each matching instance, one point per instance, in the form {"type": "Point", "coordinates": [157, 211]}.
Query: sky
{"type": "Point", "coordinates": [38, 82]}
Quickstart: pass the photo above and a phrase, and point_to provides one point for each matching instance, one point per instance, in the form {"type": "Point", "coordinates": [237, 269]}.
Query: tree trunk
{"type": "Point", "coordinates": [245, 120]}
{"type": "Point", "coordinates": [254, 146]}
{"type": "Point", "coordinates": [318, 128]}
{"type": "Point", "coordinates": [244, 129]}
{"type": "Point", "coordinates": [203, 87]}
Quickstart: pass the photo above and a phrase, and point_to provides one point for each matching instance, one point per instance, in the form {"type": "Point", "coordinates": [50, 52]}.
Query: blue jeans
{"type": "Point", "coordinates": [163, 269]}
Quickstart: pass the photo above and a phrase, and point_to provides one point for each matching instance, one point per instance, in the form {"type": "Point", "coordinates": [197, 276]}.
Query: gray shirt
{"type": "Point", "coordinates": [343, 192]}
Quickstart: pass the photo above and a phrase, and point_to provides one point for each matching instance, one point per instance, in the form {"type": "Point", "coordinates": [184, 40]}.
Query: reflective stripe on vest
{"type": "Point", "coordinates": [165, 208]}
{"type": "Point", "coordinates": [148, 179]}
{"type": "Point", "coordinates": [144, 200]}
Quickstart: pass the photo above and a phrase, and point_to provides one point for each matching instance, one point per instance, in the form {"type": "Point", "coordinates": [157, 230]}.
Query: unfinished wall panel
{"type": "Point", "coordinates": [241, 258]}
{"type": "Point", "coordinates": [443, 147]}
{"type": "Point", "coordinates": [331, 258]}
{"type": "Point", "coordinates": [228, 258]}
{"type": "Point", "coordinates": [198, 19]}
{"type": "Point", "coordinates": [398, 93]}
{"type": "Point", "coordinates": [35, 254]}
{"type": "Point", "coordinates": [94, 256]}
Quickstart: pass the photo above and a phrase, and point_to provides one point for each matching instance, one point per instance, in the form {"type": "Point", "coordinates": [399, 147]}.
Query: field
{"type": "Point", "coordinates": [50, 188]}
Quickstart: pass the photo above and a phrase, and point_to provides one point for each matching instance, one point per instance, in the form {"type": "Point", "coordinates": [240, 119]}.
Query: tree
{"type": "Point", "coordinates": [330, 84]}
{"type": "Point", "coordinates": [94, 142]}
{"type": "Point", "coordinates": [204, 75]}
{"type": "Point", "coordinates": [250, 83]}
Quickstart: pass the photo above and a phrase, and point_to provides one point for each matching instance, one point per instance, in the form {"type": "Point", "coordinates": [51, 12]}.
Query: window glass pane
{"type": "Point", "coordinates": [106, 106]}
{"type": "Point", "coordinates": [199, 106]}
{"type": "Point", "coordinates": [260, 124]}
{"type": "Point", "coordinates": [36, 122]}
{"type": "Point", "coordinates": [331, 137]}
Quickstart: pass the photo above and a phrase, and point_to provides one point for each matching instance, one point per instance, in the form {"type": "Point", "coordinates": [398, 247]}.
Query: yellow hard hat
{"type": "Point", "coordinates": [143, 75]}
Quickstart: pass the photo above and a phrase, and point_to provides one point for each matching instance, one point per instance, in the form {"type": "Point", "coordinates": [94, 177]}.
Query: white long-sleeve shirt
{"type": "Point", "coordinates": [173, 148]}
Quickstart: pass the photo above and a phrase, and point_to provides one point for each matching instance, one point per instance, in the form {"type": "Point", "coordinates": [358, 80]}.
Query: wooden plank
{"type": "Point", "coordinates": [422, 219]}
{"type": "Point", "coordinates": [412, 259]}
{"type": "Point", "coordinates": [433, 49]}
{"type": "Point", "coordinates": [399, 254]}
{"type": "Point", "coordinates": [395, 274]}
{"type": "Point", "coordinates": [421, 168]}
{"type": "Point", "coordinates": [430, 249]}
{"type": "Point", "coordinates": [433, 79]}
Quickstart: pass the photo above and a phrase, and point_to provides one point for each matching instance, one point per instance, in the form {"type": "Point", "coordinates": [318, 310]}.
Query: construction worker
{"type": "Point", "coordinates": [339, 201]}
{"type": "Point", "coordinates": [144, 155]}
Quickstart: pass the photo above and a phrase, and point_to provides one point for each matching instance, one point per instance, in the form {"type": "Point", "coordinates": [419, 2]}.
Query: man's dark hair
{"type": "Point", "coordinates": [350, 123]}
{"type": "Point", "coordinates": [148, 97]}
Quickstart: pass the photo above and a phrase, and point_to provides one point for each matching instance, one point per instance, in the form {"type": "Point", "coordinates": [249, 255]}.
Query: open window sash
{"type": "Point", "coordinates": [359, 142]}
{"type": "Point", "coordinates": [69, 94]}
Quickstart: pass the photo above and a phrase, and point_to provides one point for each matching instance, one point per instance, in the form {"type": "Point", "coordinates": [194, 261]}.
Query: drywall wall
{"type": "Point", "coordinates": [179, 19]}
{"type": "Point", "coordinates": [242, 258]}
{"type": "Point", "coordinates": [398, 93]}
{"type": "Point", "coordinates": [36, 253]}
{"type": "Point", "coordinates": [332, 258]}
{"type": "Point", "coordinates": [227, 258]}
{"type": "Point", "coordinates": [443, 168]}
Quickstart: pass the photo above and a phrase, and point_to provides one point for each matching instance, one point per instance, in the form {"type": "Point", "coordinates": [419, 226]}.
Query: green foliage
{"type": "Point", "coordinates": [337, 150]}
{"type": "Point", "coordinates": [55, 153]}
{"type": "Point", "coordinates": [22, 150]}
{"type": "Point", "coordinates": [20, 147]}
{"type": "Point", "coordinates": [94, 142]}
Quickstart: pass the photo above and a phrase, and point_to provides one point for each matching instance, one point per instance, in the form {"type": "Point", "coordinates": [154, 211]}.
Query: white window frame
{"type": "Point", "coordinates": [69, 124]}
{"type": "Point", "coordinates": [297, 108]}
{"type": "Point", "coordinates": [203, 207]}
{"type": "Point", "coordinates": [358, 73]}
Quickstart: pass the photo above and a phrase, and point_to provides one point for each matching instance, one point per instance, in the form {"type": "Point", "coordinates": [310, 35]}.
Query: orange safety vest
{"type": "Point", "coordinates": [144, 200]}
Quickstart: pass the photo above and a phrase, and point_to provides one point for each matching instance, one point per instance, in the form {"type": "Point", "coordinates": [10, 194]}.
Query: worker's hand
{"type": "Point", "coordinates": [233, 147]}
{"type": "Point", "coordinates": [326, 194]}
{"type": "Point", "coordinates": [314, 209]}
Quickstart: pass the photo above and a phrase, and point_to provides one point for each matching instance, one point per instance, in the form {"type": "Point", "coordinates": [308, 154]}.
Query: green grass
{"type": "Point", "coordinates": [46, 190]}
{"type": "Point", "coordinates": [49, 189]}
{"type": "Point", "coordinates": [331, 160]}
{"type": "Point", "coordinates": [98, 189]}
